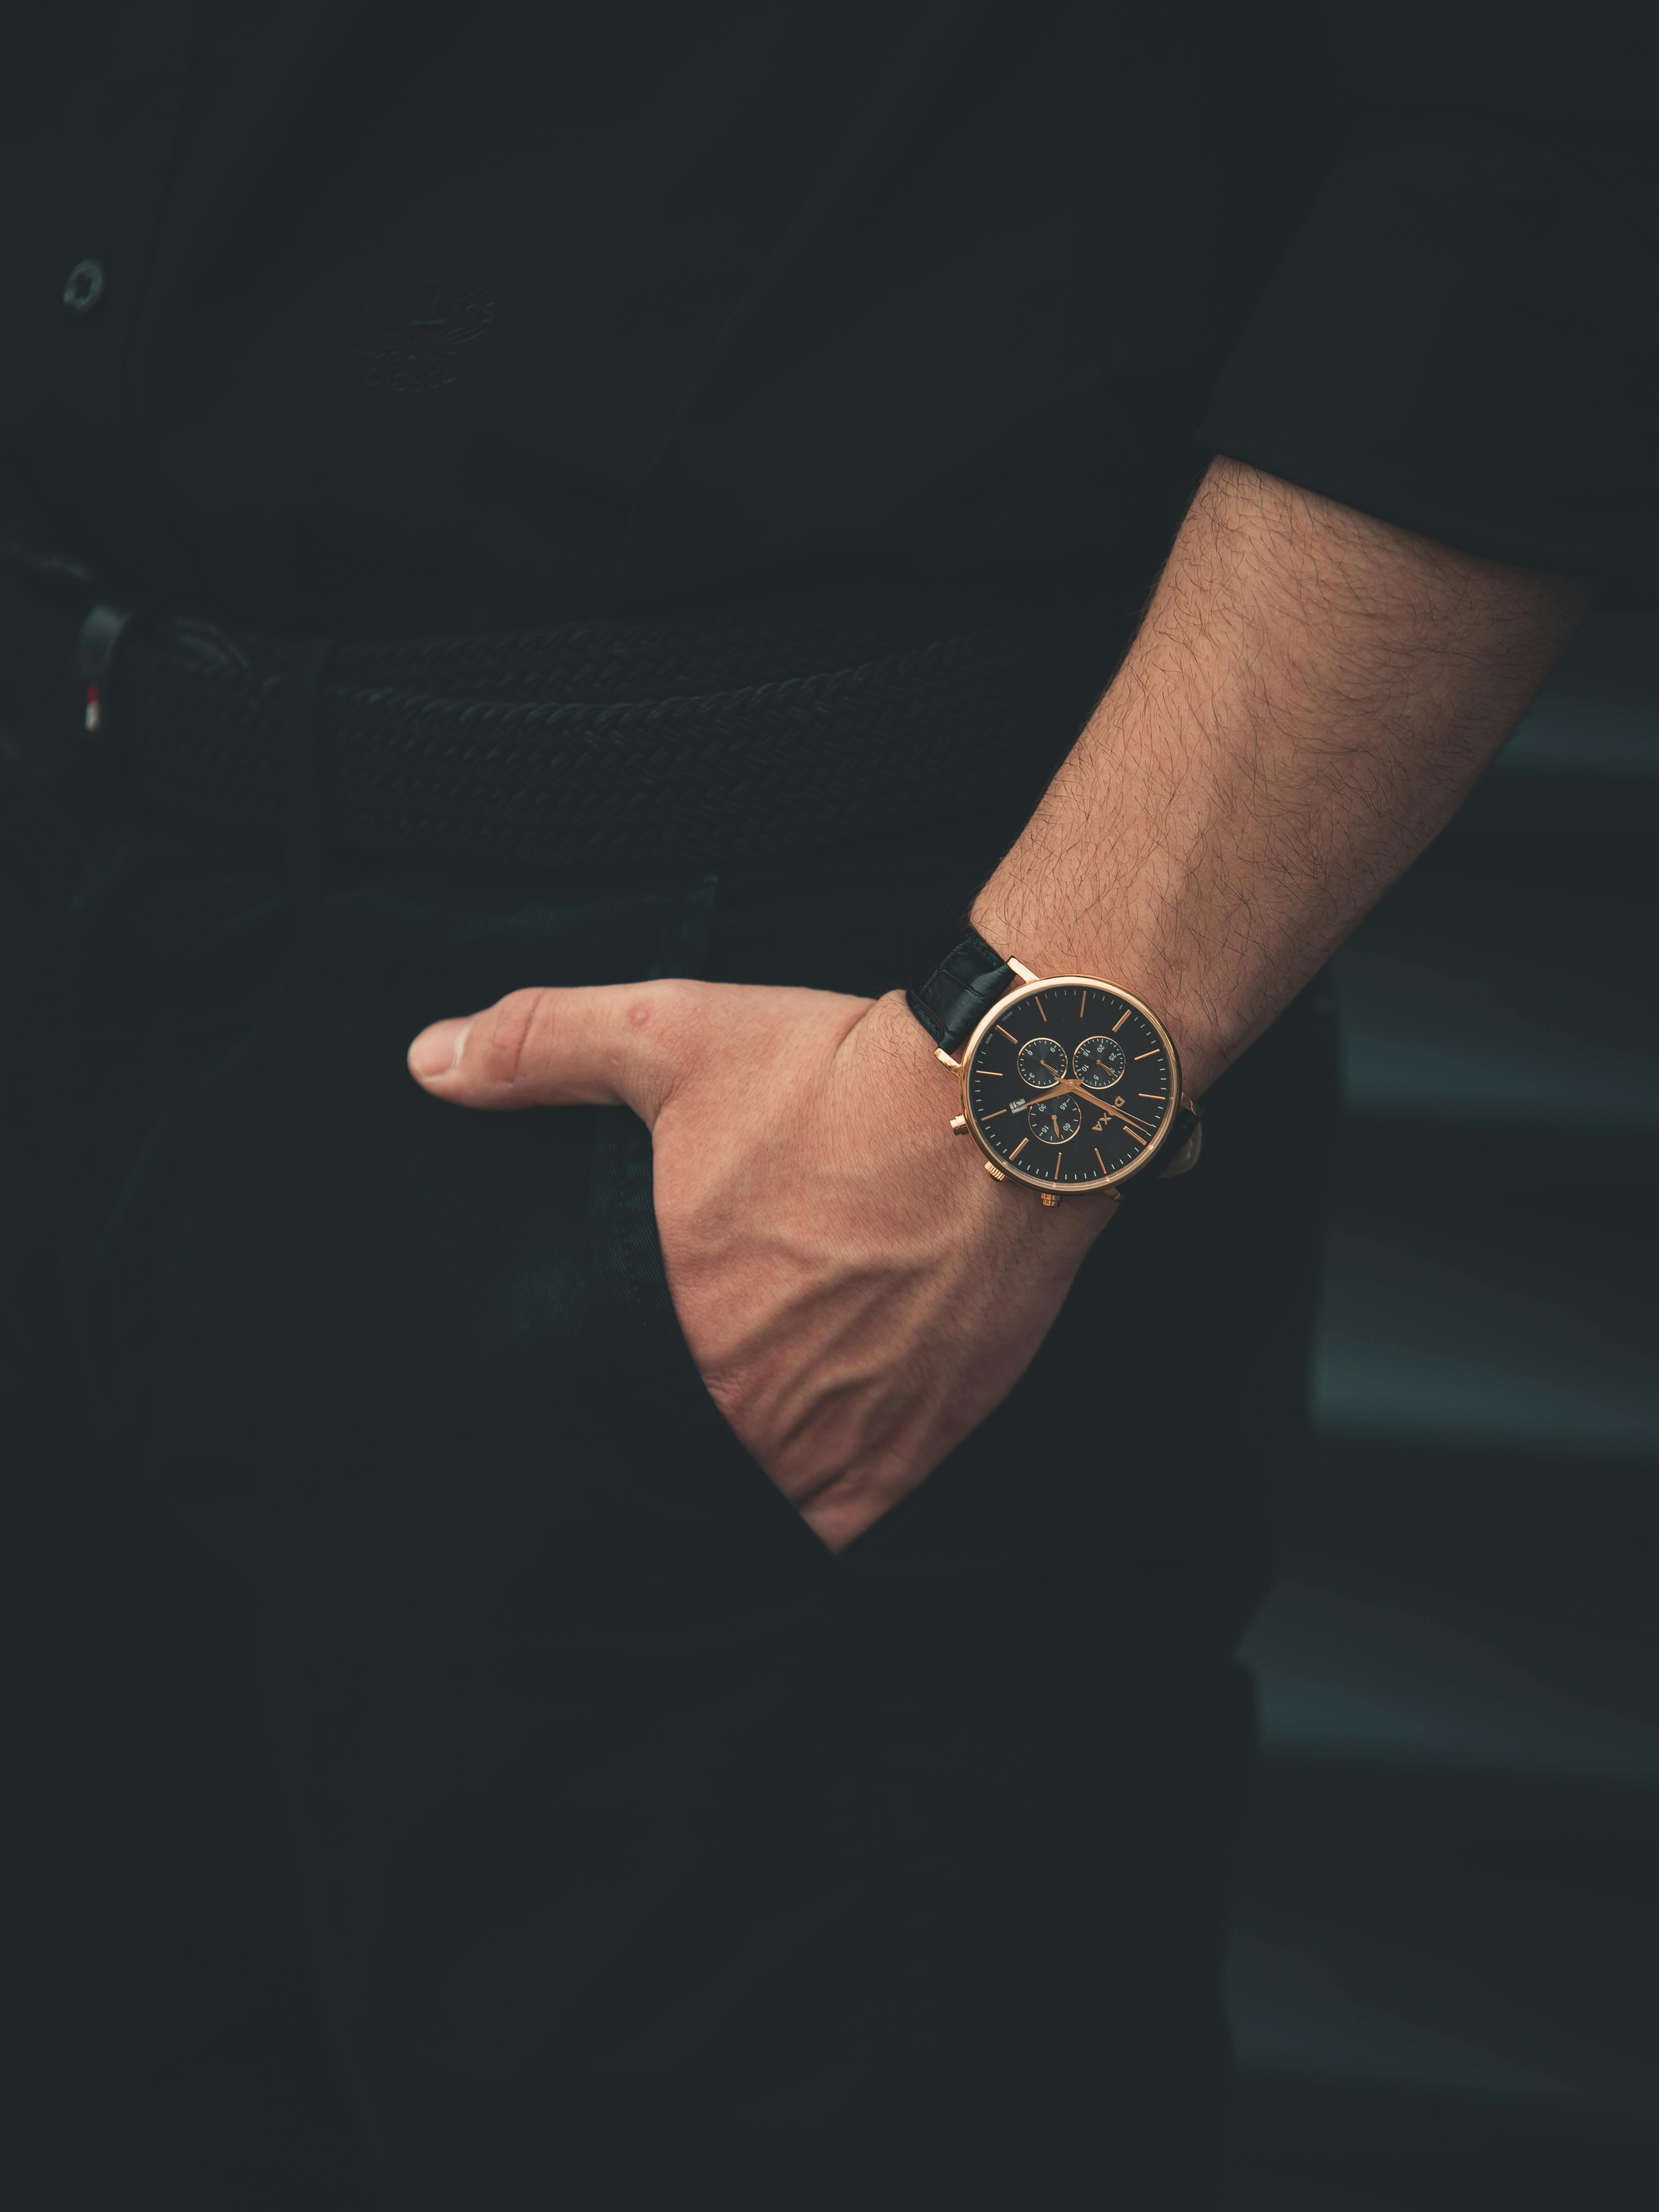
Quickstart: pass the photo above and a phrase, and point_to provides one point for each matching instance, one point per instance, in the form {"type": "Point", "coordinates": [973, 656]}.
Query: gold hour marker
{"type": "Point", "coordinates": [1040, 1008]}
{"type": "Point", "coordinates": [1156, 1095]}
{"type": "Point", "coordinates": [991, 1071]}
{"type": "Point", "coordinates": [1081, 1003]}
{"type": "Point", "coordinates": [1020, 1148]}
{"type": "Point", "coordinates": [1122, 1019]}
{"type": "Point", "coordinates": [1146, 1056]}
{"type": "Point", "coordinates": [1105, 1169]}
{"type": "Point", "coordinates": [992, 1116]}
{"type": "Point", "coordinates": [1139, 1139]}
{"type": "Point", "coordinates": [1009, 1034]}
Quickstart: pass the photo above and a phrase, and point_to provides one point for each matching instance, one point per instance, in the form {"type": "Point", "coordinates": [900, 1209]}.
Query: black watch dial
{"type": "Point", "coordinates": [1072, 1085]}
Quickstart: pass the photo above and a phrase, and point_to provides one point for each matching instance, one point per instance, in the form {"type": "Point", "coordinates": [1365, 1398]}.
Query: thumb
{"type": "Point", "coordinates": [612, 1044]}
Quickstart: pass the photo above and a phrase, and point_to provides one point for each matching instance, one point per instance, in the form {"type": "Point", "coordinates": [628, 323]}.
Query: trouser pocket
{"type": "Point", "coordinates": [702, 1472]}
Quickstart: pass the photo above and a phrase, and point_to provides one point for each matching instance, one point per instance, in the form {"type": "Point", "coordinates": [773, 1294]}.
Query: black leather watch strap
{"type": "Point", "coordinates": [1184, 1127]}
{"type": "Point", "coordinates": [966, 985]}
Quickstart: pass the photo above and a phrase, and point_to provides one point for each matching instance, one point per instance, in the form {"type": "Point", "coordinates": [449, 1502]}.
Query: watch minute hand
{"type": "Point", "coordinates": [1130, 1121]}
{"type": "Point", "coordinates": [1095, 1099]}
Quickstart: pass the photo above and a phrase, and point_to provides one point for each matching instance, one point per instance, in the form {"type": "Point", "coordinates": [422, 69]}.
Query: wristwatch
{"type": "Point", "coordinates": [1069, 1083]}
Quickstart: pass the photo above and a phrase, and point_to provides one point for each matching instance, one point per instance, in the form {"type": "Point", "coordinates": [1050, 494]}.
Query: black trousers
{"type": "Point", "coordinates": [453, 1776]}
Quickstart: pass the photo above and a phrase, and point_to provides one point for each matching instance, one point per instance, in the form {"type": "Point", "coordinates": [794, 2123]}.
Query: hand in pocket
{"type": "Point", "coordinates": [856, 1295]}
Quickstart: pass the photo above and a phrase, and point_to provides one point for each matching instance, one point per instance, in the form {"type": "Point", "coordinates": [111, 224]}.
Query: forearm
{"type": "Point", "coordinates": [1309, 698]}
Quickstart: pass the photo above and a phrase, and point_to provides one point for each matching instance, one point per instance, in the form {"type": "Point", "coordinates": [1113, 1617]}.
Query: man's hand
{"type": "Point", "coordinates": [856, 1293]}
{"type": "Point", "coordinates": [1309, 696]}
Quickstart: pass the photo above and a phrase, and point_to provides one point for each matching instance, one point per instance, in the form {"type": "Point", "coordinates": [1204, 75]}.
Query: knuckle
{"type": "Point", "coordinates": [667, 1003]}
{"type": "Point", "coordinates": [503, 1046]}
{"type": "Point", "coordinates": [667, 1016]}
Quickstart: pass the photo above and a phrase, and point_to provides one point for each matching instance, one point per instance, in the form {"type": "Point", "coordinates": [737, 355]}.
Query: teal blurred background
{"type": "Point", "coordinates": [1445, 1984]}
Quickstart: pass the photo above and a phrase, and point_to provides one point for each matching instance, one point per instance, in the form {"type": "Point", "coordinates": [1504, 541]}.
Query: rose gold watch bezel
{"type": "Point", "coordinates": [1154, 1144]}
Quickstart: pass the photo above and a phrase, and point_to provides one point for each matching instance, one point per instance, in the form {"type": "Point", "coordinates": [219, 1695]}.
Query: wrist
{"type": "Point", "coordinates": [1019, 929]}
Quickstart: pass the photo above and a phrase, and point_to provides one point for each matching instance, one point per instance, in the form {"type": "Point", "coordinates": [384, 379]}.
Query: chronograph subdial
{"type": "Point", "coordinates": [1100, 1063]}
{"type": "Point", "coordinates": [1041, 1064]}
{"type": "Point", "coordinates": [1055, 1121]}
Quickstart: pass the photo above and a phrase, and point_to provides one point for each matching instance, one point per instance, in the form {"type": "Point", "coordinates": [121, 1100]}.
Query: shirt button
{"type": "Point", "coordinates": [83, 288]}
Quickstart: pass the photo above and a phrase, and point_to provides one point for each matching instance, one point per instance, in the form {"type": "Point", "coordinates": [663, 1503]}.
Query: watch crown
{"type": "Point", "coordinates": [958, 1122]}
{"type": "Point", "coordinates": [1051, 1198]}
{"type": "Point", "coordinates": [996, 1171]}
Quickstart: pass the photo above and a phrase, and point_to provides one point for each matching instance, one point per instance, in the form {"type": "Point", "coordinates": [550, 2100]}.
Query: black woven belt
{"type": "Point", "coordinates": [590, 744]}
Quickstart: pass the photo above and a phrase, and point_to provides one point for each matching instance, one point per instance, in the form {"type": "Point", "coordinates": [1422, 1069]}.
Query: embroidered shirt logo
{"type": "Point", "coordinates": [413, 340]}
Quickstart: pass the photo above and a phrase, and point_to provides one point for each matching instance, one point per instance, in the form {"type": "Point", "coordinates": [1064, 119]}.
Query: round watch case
{"type": "Point", "coordinates": [1077, 1129]}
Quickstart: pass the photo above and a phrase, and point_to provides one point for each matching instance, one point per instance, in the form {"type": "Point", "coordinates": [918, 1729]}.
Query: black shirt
{"type": "Point", "coordinates": [513, 312]}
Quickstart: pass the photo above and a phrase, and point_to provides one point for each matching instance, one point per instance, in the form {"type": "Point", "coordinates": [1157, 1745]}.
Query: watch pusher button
{"type": "Point", "coordinates": [1051, 1198]}
{"type": "Point", "coordinates": [958, 1123]}
{"type": "Point", "coordinates": [991, 1169]}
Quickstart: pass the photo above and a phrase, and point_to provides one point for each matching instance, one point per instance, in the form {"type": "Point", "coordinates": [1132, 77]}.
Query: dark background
{"type": "Point", "coordinates": [1445, 1984]}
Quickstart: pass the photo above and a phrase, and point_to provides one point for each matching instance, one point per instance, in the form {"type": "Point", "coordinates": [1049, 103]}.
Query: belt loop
{"type": "Point", "coordinates": [103, 783]}
{"type": "Point", "coordinates": [300, 705]}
